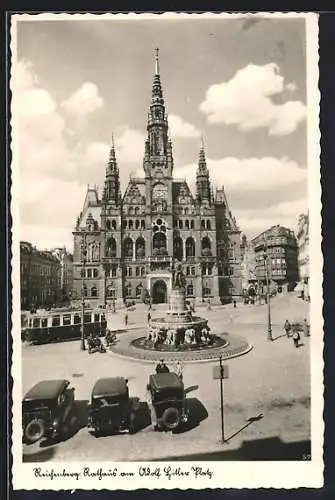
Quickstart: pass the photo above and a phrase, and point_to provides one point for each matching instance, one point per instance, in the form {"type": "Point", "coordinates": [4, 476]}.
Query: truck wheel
{"type": "Point", "coordinates": [171, 418]}
{"type": "Point", "coordinates": [34, 431]}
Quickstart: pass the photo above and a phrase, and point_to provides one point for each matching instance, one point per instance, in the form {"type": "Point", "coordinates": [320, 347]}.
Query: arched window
{"type": "Point", "coordinates": [130, 210]}
{"type": "Point", "coordinates": [114, 224]}
{"type": "Point", "coordinates": [111, 292]}
{"type": "Point", "coordinates": [178, 248]}
{"type": "Point", "coordinates": [202, 224]}
{"type": "Point", "coordinates": [190, 247]}
{"type": "Point", "coordinates": [187, 224]}
{"type": "Point", "coordinates": [180, 224]}
{"type": "Point", "coordinates": [208, 224]}
{"type": "Point", "coordinates": [189, 290]}
{"type": "Point", "coordinates": [175, 223]}
{"type": "Point", "coordinates": [108, 225]}
{"type": "Point", "coordinates": [137, 224]}
{"type": "Point", "coordinates": [114, 268]}
{"type": "Point", "coordinates": [130, 224]}
{"type": "Point", "coordinates": [193, 271]}
{"type": "Point", "coordinates": [140, 248]}
{"type": "Point", "coordinates": [89, 273]}
{"type": "Point", "coordinates": [82, 273]}
{"type": "Point", "coordinates": [94, 291]}
{"type": "Point", "coordinates": [138, 271]}
{"type": "Point", "coordinates": [128, 247]}
{"type": "Point", "coordinates": [124, 224]}
{"type": "Point", "coordinates": [139, 289]}
{"type": "Point", "coordinates": [142, 271]}
{"type": "Point", "coordinates": [192, 224]}
{"type": "Point", "coordinates": [142, 224]}
{"type": "Point", "coordinates": [128, 290]}
{"type": "Point", "coordinates": [206, 246]}
{"type": "Point", "coordinates": [85, 290]}
{"type": "Point", "coordinates": [137, 210]}
{"type": "Point", "coordinates": [159, 241]}
{"type": "Point", "coordinates": [186, 211]}
{"type": "Point", "coordinates": [111, 247]}
{"type": "Point", "coordinates": [188, 271]}
{"type": "Point", "coordinates": [95, 273]}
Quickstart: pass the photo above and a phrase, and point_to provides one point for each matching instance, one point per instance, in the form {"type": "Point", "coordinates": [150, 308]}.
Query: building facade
{"type": "Point", "coordinates": [248, 266]}
{"type": "Point", "coordinates": [277, 248]}
{"type": "Point", "coordinates": [40, 277]}
{"type": "Point", "coordinates": [303, 255]}
{"type": "Point", "coordinates": [66, 272]}
{"type": "Point", "coordinates": [128, 245]}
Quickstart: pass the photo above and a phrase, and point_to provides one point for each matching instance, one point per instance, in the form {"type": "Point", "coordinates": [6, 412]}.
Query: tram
{"type": "Point", "coordinates": [51, 326]}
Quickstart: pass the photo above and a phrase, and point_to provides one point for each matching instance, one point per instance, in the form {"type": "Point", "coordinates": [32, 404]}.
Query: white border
{"type": "Point", "coordinates": [225, 474]}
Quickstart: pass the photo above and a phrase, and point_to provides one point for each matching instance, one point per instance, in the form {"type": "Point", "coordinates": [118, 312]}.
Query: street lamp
{"type": "Point", "coordinates": [266, 257]}
{"type": "Point", "coordinates": [83, 259]}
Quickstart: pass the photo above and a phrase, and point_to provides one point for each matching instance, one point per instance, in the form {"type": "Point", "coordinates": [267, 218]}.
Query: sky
{"type": "Point", "coordinates": [239, 82]}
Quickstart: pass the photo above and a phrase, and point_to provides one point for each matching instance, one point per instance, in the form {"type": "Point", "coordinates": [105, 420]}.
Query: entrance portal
{"type": "Point", "coordinates": [159, 292]}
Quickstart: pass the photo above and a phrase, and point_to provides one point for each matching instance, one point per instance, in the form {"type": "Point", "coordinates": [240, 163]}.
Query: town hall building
{"type": "Point", "coordinates": [126, 245]}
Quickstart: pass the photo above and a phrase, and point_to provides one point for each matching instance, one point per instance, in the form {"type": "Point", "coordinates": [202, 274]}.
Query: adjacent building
{"type": "Point", "coordinates": [128, 244]}
{"type": "Point", "coordinates": [40, 276]}
{"type": "Point", "coordinates": [277, 249]}
{"type": "Point", "coordinates": [249, 277]}
{"type": "Point", "coordinates": [303, 255]}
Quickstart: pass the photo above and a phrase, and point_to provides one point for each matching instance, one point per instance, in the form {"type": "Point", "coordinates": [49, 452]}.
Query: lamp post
{"type": "Point", "coordinates": [266, 257]}
{"type": "Point", "coordinates": [83, 259]}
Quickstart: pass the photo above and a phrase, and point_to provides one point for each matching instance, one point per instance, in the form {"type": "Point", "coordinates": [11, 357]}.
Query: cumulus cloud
{"type": "Point", "coordinates": [246, 101]}
{"type": "Point", "coordinates": [129, 145]}
{"type": "Point", "coordinates": [84, 100]}
{"type": "Point", "coordinates": [179, 128]}
{"type": "Point", "coordinates": [250, 174]}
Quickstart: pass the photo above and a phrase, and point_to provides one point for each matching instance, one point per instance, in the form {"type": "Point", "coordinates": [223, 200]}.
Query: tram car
{"type": "Point", "coordinates": [57, 326]}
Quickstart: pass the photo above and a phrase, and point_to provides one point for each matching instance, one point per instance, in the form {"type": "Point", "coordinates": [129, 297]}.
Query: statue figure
{"type": "Point", "coordinates": [178, 278]}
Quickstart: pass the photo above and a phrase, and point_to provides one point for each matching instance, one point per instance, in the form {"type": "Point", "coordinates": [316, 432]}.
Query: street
{"type": "Point", "coordinates": [266, 396]}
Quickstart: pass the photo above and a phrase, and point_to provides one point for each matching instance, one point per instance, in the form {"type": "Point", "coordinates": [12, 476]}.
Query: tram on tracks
{"type": "Point", "coordinates": [41, 328]}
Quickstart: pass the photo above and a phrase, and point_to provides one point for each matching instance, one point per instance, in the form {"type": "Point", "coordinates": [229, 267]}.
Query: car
{"type": "Point", "coordinates": [168, 399]}
{"type": "Point", "coordinates": [47, 410]}
{"type": "Point", "coordinates": [111, 410]}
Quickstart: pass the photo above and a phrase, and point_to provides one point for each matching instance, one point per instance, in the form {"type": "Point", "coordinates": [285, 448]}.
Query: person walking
{"type": "Point", "coordinates": [149, 318]}
{"type": "Point", "coordinates": [296, 338]}
{"type": "Point", "coordinates": [287, 327]}
{"type": "Point", "coordinates": [234, 302]}
{"type": "Point", "coordinates": [306, 328]}
{"type": "Point", "coordinates": [126, 319]}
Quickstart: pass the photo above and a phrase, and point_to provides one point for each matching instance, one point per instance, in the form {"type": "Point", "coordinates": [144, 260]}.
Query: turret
{"type": "Point", "coordinates": [111, 191]}
{"type": "Point", "coordinates": [203, 188]}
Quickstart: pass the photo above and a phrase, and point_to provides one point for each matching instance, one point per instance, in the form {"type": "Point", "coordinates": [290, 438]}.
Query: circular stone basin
{"type": "Point", "coordinates": [142, 343]}
{"type": "Point", "coordinates": [177, 321]}
{"type": "Point", "coordinates": [227, 345]}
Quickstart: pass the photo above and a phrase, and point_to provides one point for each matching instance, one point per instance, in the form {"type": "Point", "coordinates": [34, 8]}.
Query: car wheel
{"type": "Point", "coordinates": [34, 431]}
{"type": "Point", "coordinates": [171, 418]}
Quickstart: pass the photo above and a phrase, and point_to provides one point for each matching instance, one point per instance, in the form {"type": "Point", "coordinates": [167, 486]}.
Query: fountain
{"type": "Point", "coordinates": [179, 335]}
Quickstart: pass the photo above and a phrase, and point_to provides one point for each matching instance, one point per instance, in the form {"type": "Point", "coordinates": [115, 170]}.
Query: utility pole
{"type": "Point", "coordinates": [221, 400]}
{"type": "Point", "coordinates": [266, 261]}
{"type": "Point", "coordinates": [83, 259]}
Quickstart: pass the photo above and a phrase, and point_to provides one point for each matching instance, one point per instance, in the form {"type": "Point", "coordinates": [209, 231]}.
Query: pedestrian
{"type": "Point", "coordinates": [234, 303]}
{"type": "Point", "coordinates": [296, 338]}
{"type": "Point", "coordinates": [306, 328]}
{"type": "Point", "coordinates": [149, 318]}
{"type": "Point", "coordinates": [149, 305]}
{"type": "Point", "coordinates": [287, 327]}
{"type": "Point", "coordinates": [152, 409]}
{"type": "Point", "coordinates": [230, 319]}
{"type": "Point", "coordinates": [179, 370]}
{"type": "Point", "coordinates": [162, 367]}
{"type": "Point", "coordinates": [126, 319]}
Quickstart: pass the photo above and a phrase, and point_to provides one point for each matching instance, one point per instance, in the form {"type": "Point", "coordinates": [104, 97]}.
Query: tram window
{"type": "Point", "coordinates": [87, 318]}
{"type": "Point", "coordinates": [76, 319]}
{"type": "Point", "coordinates": [44, 322]}
{"type": "Point", "coordinates": [96, 318]}
{"type": "Point", "coordinates": [36, 322]}
{"type": "Point", "coordinates": [67, 319]}
{"type": "Point", "coordinates": [56, 321]}
{"type": "Point", "coordinates": [103, 318]}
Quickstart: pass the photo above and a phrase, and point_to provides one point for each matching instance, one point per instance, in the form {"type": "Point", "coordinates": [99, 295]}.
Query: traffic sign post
{"type": "Point", "coordinates": [221, 372]}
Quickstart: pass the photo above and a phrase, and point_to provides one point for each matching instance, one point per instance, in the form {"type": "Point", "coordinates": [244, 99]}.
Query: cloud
{"type": "Point", "coordinates": [250, 174]}
{"type": "Point", "coordinates": [83, 101]}
{"type": "Point", "coordinates": [179, 128]}
{"type": "Point", "coordinates": [129, 145]}
{"type": "Point", "coordinates": [245, 101]}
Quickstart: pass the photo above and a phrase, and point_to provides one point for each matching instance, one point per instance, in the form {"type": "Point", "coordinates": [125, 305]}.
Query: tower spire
{"type": "Point", "coordinates": [157, 61]}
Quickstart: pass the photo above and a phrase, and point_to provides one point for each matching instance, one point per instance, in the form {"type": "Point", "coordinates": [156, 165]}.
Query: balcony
{"type": "Point", "coordinates": [160, 258]}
